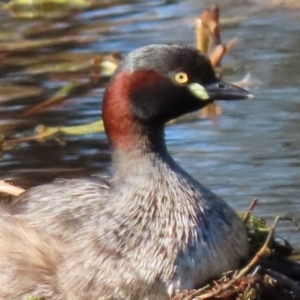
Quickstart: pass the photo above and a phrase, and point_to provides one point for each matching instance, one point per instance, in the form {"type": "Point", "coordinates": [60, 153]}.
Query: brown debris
{"type": "Point", "coordinates": [208, 41]}
{"type": "Point", "coordinates": [10, 189]}
{"type": "Point", "coordinates": [249, 211]}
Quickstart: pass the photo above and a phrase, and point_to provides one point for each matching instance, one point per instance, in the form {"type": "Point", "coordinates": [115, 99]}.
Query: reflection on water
{"type": "Point", "coordinates": [251, 151]}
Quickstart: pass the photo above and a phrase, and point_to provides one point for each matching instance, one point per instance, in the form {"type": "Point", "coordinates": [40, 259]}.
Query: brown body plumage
{"type": "Point", "coordinates": [148, 232]}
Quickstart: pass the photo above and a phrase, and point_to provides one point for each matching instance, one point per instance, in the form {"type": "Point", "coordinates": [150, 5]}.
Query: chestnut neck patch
{"type": "Point", "coordinates": [122, 129]}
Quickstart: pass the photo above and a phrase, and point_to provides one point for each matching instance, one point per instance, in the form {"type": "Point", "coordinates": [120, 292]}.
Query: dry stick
{"type": "Point", "coordinates": [202, 38]}
{"type": "Point", "coordinates": [217, 55]}
{"type": "Point", "coordinates": [249, 211]}
{"type": "Point", "coordinates": [38, 136]}
{"type": "Point", "coordinates": [10, 189]}
{"type": "Point", "coordinates": [230, 44]}
{"type": "Point", "coordinates": [220, 51]}
{"type": "Point", "coordinates": [215, 14]}
{"type": "Point", "coordinates": [241, 273]}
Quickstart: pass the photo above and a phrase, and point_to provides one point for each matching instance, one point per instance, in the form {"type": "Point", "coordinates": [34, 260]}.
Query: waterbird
{"type": "Point", "coordinates": [151, 229]}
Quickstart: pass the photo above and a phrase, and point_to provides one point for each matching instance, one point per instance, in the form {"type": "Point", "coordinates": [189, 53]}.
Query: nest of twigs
{"type": "Point", "coordinates": [272, 273]}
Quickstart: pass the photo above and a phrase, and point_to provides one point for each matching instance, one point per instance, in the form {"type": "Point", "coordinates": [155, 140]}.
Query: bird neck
{"type": "Point", "coordinates": [140, 151]}
{"type": "Point", "coordinates": [133, 142]}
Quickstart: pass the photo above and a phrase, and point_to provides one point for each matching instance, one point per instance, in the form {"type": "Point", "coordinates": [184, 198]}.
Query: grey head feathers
{"type": "Point", "coordinates": [168, 58]}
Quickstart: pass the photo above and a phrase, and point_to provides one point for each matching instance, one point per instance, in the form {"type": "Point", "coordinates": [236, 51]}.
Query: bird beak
{"type": "Point", "coordinates": [218, 90]}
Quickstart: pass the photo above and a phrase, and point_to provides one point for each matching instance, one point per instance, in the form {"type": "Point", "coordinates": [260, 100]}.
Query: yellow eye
{"type": "Point", "coordinates": [181, 78]}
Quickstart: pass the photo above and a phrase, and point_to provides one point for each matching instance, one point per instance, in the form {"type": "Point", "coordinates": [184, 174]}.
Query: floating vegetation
{"type": "Point", "coordinates": [95, 67]}
{"type": "Point", "coordinates": [101, 67]}
{"type": "Point", "coordinates": [30, 45]}
{"type": "Point", "coordinates": [208, 41]}
{"type": "Point", "coordinates": [71, 63]}
{"type": "Point", "coordinates": [67, 91]}
{"type": "Point", "coordinates": [44, 2]}
{"type": "Point", "coordinates": [11, 92]}
{"type": "Point", "coordinates": [42, 8]}
{"type": "Point", "coordinates": [94, 127]}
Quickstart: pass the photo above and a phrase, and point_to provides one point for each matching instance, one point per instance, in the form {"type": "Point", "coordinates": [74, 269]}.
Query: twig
{"type": "Point", "coordinates": [202, 37]}
{"type": "Point", "coordinates": [249, 211]}
{"type": "Point", "coordinates": [217, 55]}
{"type": "Point", "coordinates": [230, 44]}
{"type": "Point", "coordinates": [215, 14]}
{"type": "Point", "coordinates": [10, 189]}
{"type": "Point", "coordinates": [261, 252]}
{"type": "Point", "coordinates": [220, 51]}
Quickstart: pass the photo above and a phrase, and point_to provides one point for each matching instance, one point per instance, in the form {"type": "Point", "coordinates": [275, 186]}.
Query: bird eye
{"type": "Point", "coordinates": [180, 78]}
